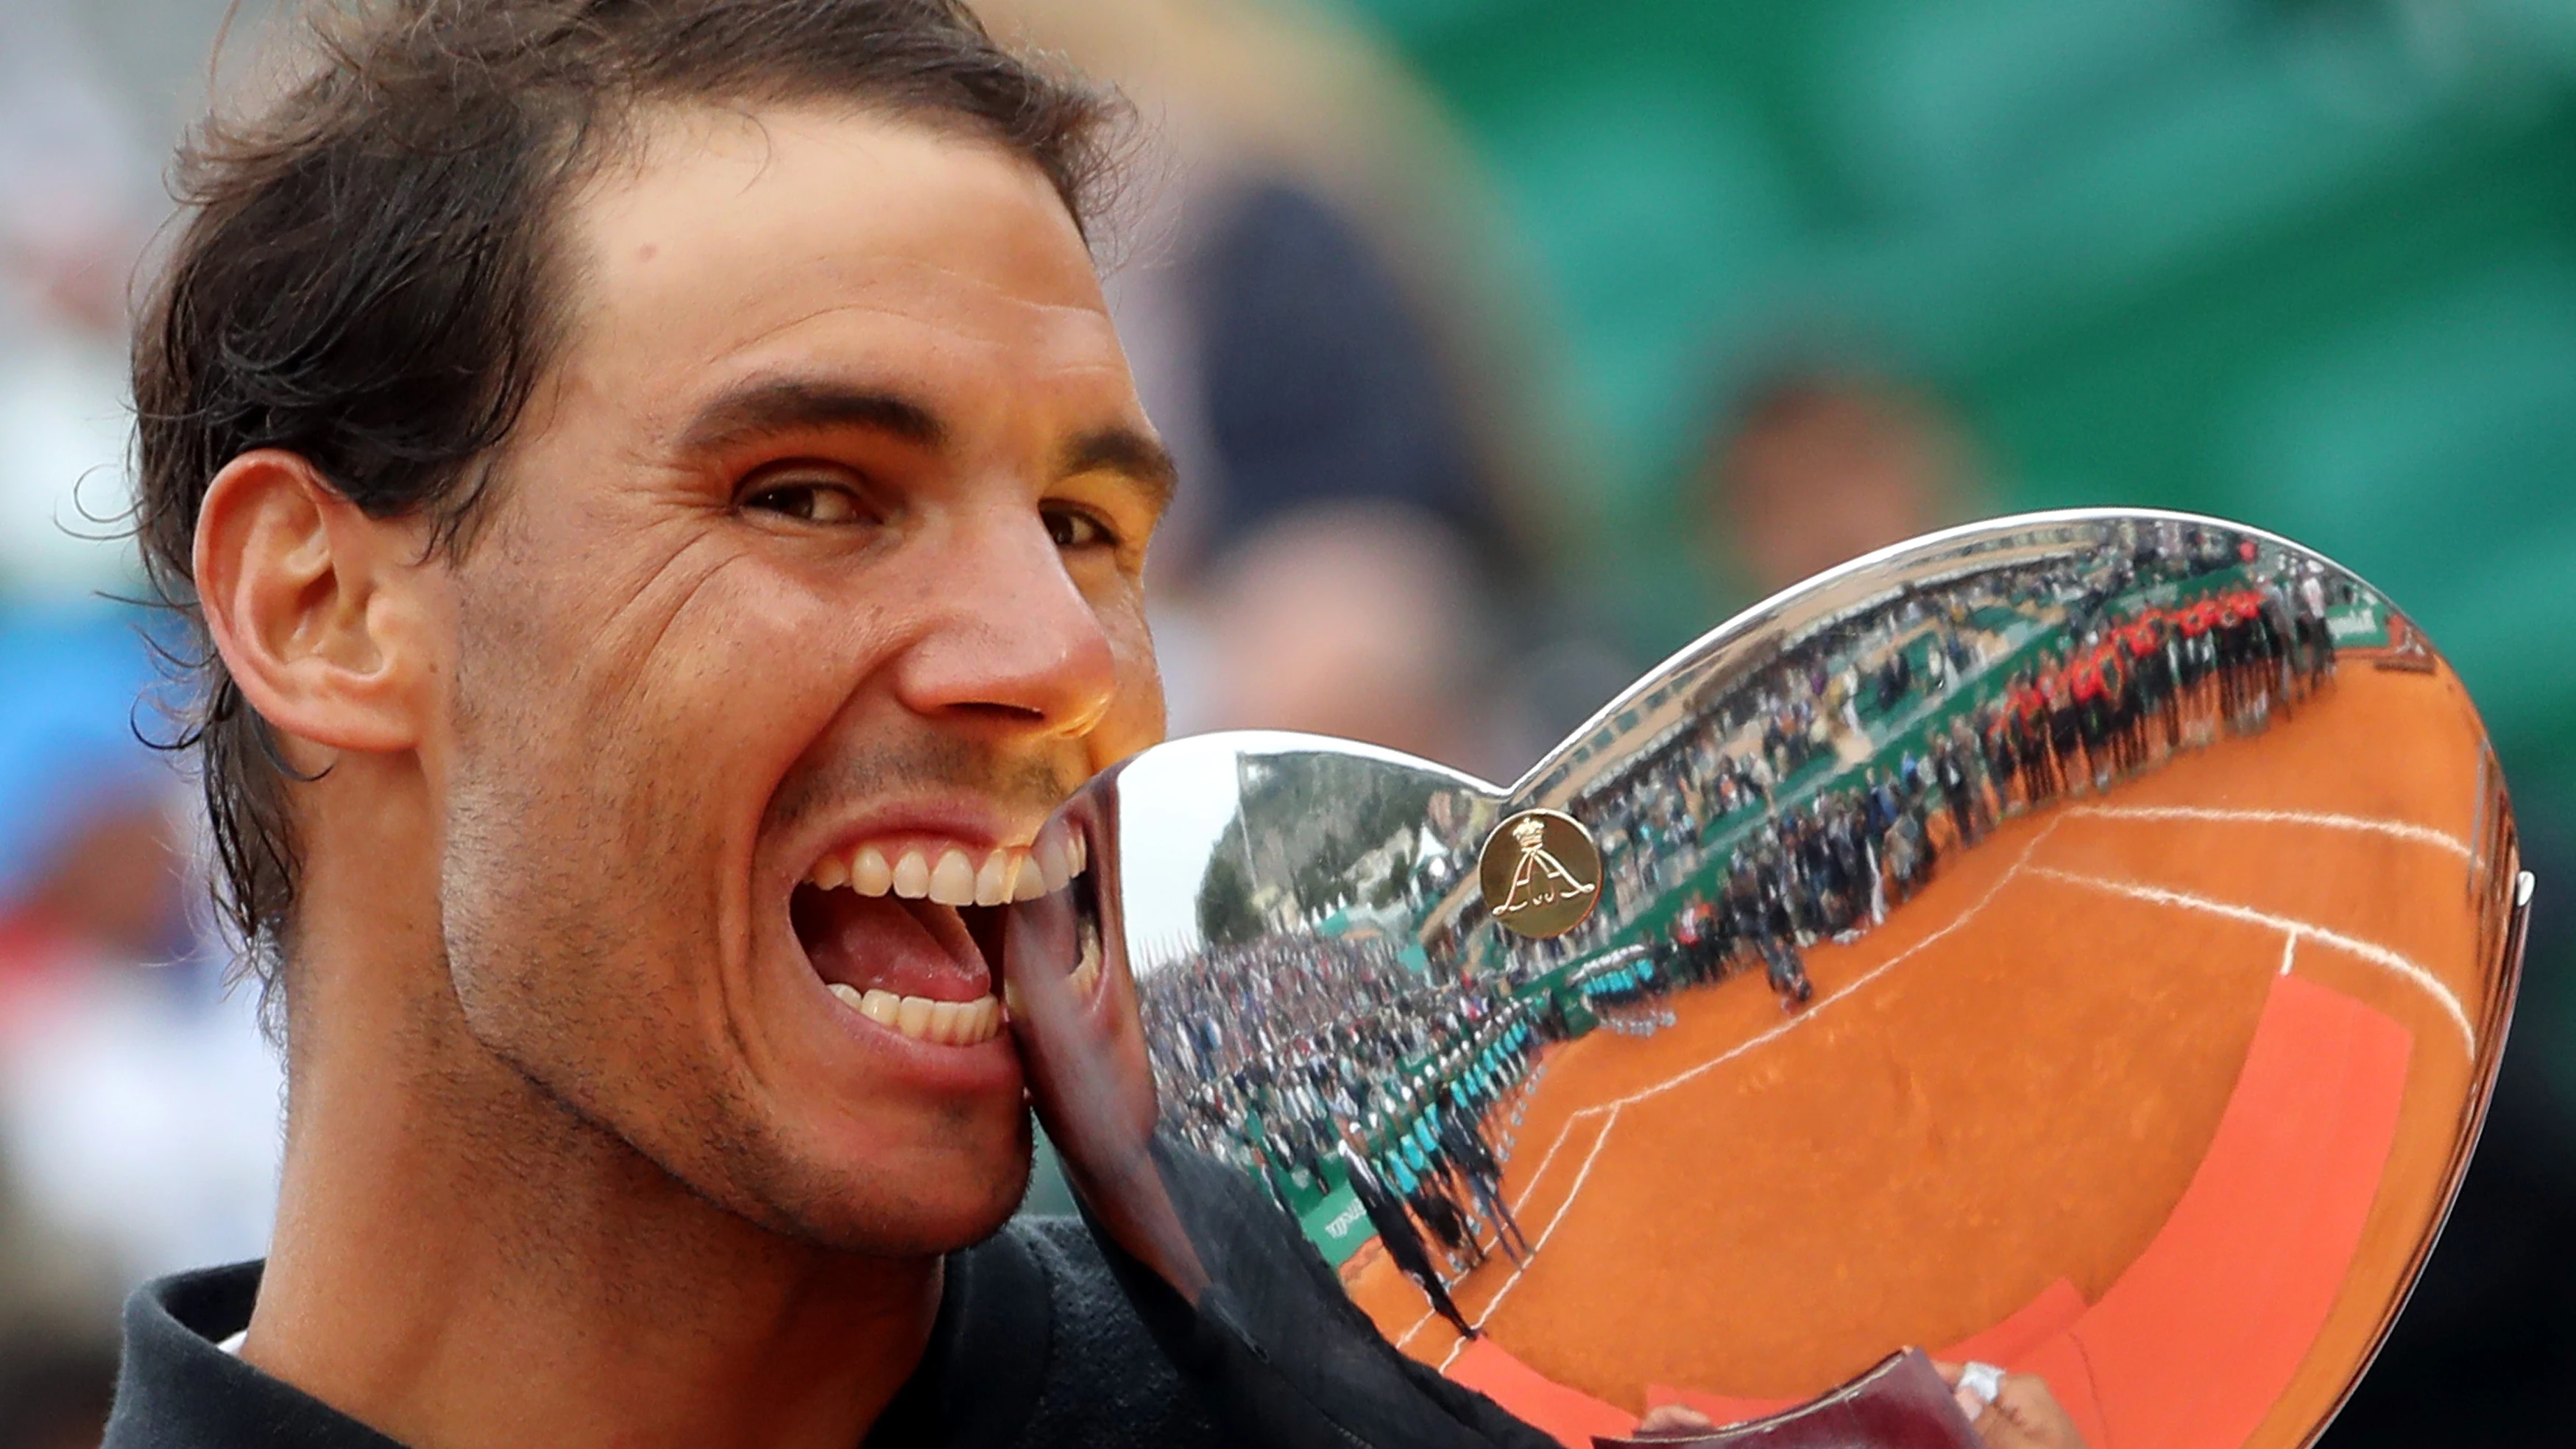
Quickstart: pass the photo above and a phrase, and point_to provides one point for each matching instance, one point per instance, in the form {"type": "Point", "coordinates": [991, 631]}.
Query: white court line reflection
{"type": "Point", "coordinates": [2370, 951]}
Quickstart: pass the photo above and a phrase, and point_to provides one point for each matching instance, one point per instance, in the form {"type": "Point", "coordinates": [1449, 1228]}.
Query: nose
{"type": "Point", "coordinates": [1011, 643]}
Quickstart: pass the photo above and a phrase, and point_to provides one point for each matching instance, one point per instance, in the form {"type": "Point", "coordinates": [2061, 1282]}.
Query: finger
{"type": "Point", "coordinates": [1998, 1429]}
{"type": "Point", "coordinates": [1672, 1418]}
{"type": "Point", "coordinates": [2020, 1393]}
{"type": "Point", "coordinates": [1949, 1372]}
{"type": "Point", "coordinates": [2036, 1417]}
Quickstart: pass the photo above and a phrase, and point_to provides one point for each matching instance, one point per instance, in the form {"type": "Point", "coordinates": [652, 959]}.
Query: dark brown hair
{"type": "Point", "coordinates": [364, 274]}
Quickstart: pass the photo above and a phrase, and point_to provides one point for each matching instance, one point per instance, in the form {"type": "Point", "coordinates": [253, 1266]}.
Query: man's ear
{"type": "Point", "coordinates": [317, 609]}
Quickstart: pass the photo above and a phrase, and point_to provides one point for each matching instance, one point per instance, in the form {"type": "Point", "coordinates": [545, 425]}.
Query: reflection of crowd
{"type": "Point", "coordinates": [1624, 992]}
{"type": "Point", "coordinates": [1314, 1062]}
{"type": "Point", "coordinates": [1798, 871]}
{"type": "Point", "coordinates": [2141, 683]}
{"type": "Point", "coordinates": [2112, 684]}
{"type": "Point", "coordinates": [1725, 766]}
{"type": "Point", "coordinates": [1215, 1012]}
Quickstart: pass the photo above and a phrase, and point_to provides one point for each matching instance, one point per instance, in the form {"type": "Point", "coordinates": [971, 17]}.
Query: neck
{"type": "Point", "coordinates": [460, 1260]}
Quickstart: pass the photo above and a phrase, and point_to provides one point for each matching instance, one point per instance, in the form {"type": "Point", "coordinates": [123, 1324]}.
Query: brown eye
{"type": "Point", "coordinates": [1073, 528]}
{"type": "Point", "coordinates": [808, 502]}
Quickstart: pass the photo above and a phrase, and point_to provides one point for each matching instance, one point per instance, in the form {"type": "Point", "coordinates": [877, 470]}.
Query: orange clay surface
{"type": "Point", "coordinates": [1999, 1097]}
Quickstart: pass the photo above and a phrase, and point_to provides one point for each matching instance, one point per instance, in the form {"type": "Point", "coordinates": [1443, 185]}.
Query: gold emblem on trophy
{"type": "Point", "coordinates": [1541, 873]}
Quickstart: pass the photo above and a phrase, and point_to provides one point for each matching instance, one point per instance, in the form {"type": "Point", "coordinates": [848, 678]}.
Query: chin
{"type": "Point", "coordinates": [949, 1195]}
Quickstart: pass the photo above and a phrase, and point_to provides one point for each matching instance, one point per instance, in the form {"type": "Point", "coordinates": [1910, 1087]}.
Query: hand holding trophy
{"type": "Point", "coordinates": [2076, 946]}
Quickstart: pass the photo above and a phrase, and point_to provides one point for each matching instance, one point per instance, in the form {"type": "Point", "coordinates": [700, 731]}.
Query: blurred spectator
{"type": "Point", "coordinates": [75, 203]}
{"type": "Point", "coordinates": [138, 1104]}
{"type": "Point", "coordinates": [69, 173]}
{"type": "Point", "coordinates": [1361, 620]}
{"type": "Point", "coordinates": [54, 1393]}
{"type": "Point", "coordinates": [1821, 467]}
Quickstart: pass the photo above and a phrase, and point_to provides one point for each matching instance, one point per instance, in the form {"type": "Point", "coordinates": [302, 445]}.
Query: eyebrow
{"type": "Point", "coordinates": [781, 405]}
{"type": "Point", "coordinates": [1124, 450]}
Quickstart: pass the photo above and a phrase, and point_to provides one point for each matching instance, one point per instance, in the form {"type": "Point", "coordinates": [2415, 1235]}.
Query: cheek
{"type": "Point", "coordinates": [725, 672]}
{"type": "Point", "coordinates": [612, 757]}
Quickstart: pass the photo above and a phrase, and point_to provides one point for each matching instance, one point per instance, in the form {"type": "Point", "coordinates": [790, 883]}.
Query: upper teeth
{"type": "Point", "coordinates": [952, 875]}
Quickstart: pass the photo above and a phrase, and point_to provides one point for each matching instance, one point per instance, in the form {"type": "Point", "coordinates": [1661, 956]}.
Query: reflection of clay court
{"type": "Point", "coordinates": [2150, 1093]}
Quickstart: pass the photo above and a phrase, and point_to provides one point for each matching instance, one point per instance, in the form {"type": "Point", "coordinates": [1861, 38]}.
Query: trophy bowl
{"type": "Point", "coordinates": [2080, 943]}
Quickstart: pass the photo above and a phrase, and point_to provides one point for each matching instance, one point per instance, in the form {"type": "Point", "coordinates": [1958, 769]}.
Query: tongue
{"type": "Point", "coordinates": [911, 948]}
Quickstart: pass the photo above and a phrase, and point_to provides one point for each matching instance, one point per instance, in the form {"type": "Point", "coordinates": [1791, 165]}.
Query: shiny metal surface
{"type": "Point", "coordinates": [2081, 942]}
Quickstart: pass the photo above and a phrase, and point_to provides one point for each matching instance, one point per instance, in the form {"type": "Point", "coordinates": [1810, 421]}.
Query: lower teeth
{"type": "Point", "coordinates": [946, 1023]}
{"type": "Point", "coordinates": [1084, 976]}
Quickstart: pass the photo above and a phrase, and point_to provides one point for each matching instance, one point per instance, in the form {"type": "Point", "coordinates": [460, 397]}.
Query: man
{"type": "Point", "coordinates": [1819, 465]}
{"type": "Point", "coordinates": [636, 466]}
{"type": "Point", "coordinates": [1396, 1234]}
{"type": "Point", "coordinates": [664, 508]}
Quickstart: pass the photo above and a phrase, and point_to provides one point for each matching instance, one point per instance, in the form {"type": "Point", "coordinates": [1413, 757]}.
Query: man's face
{"type": "Point", "coordinates": [819, 551]}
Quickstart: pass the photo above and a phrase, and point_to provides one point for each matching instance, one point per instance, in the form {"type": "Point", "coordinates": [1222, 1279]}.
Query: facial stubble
{"type": "Point", "coordinates": [583, 904]}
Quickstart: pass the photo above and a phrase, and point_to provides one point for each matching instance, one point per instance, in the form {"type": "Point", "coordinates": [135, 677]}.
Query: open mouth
{"type": "Point", "coordinates": [906, 931]}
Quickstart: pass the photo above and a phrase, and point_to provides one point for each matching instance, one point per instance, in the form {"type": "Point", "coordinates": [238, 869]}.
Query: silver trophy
{"type": "Point", "coordinates": [2078, 945]}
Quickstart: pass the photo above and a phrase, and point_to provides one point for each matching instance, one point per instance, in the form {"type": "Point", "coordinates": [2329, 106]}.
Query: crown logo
{"type": "Point", "coordinates": [1536, 889]}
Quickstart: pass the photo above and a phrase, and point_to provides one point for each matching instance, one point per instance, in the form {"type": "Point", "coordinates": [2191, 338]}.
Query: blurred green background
{"type": "Point", "coordinates": [2306, 263]}
{"type": "Point", "coordinates": [2310, 264]}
